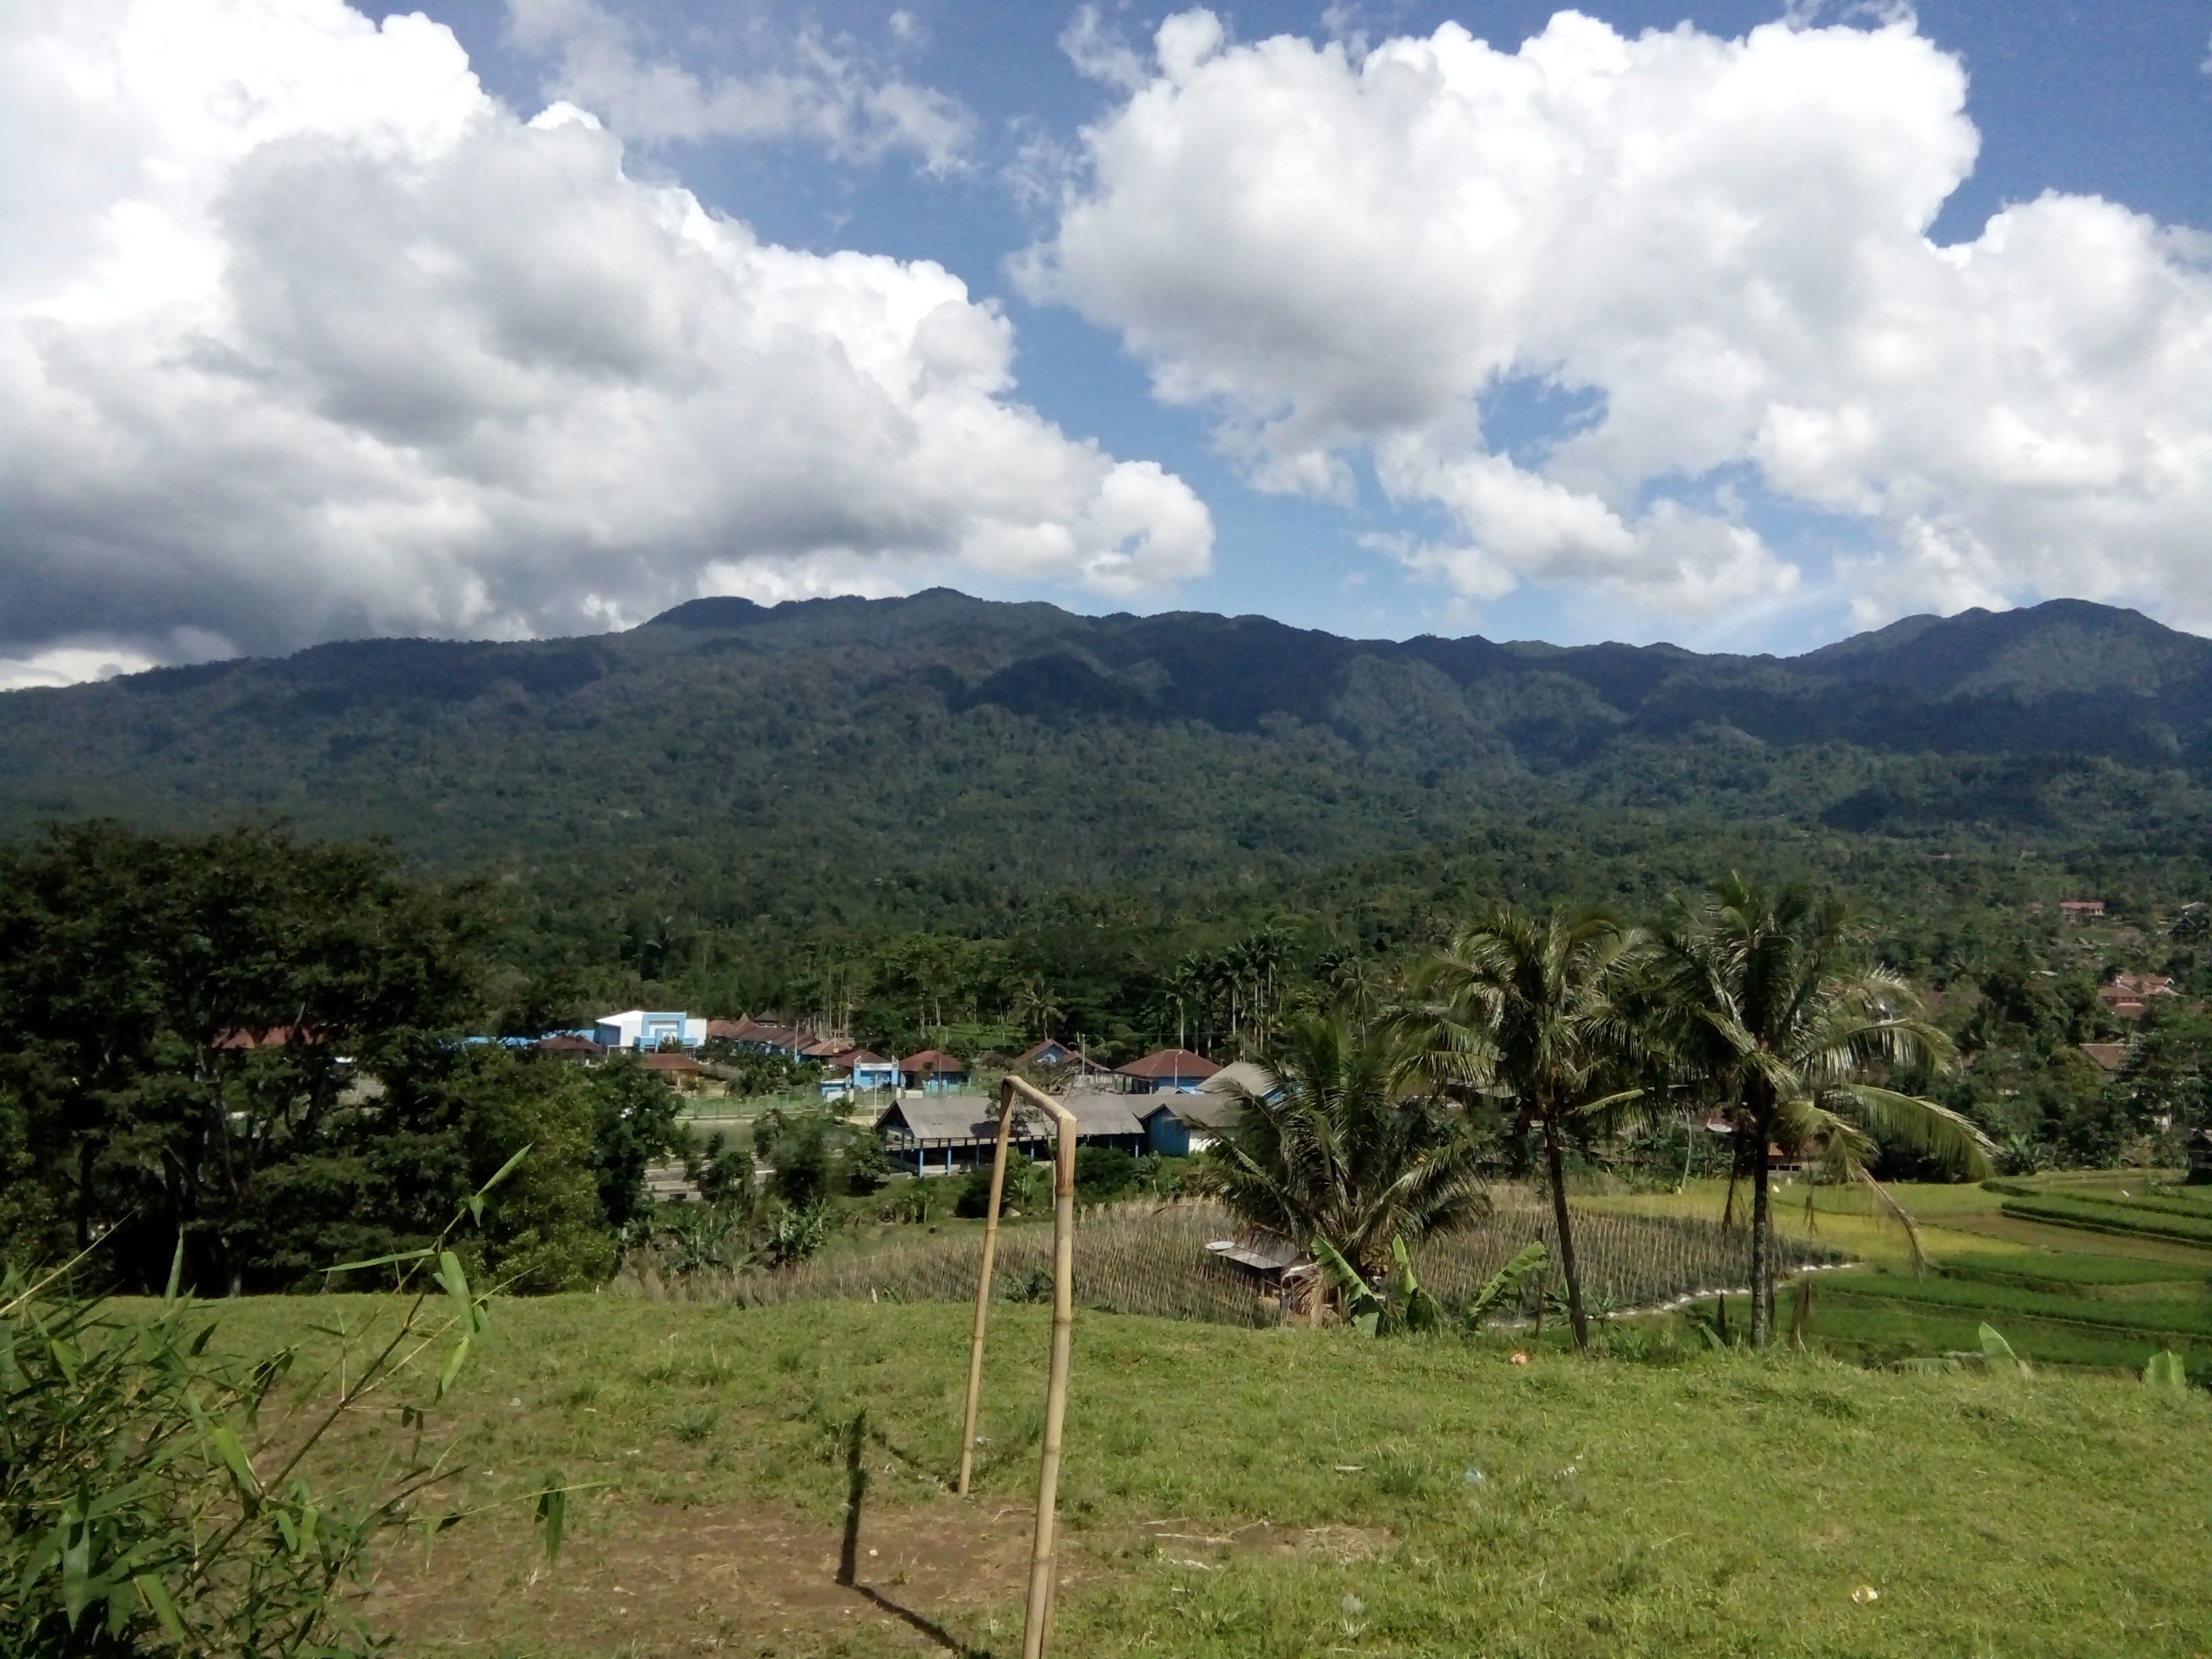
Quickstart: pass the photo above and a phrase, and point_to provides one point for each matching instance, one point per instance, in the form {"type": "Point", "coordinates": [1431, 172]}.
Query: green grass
{"type": "Point", "coordinates": [1719, 1504]}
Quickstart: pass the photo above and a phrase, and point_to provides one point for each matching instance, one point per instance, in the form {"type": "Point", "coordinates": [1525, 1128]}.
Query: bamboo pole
{"type": "Point", "coordinates": [983, 1292]}
{"type": "Point", "coordinates": [1038, 1618]}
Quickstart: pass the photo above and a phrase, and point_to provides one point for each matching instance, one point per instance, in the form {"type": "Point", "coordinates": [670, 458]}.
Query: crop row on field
{"type": "Point", "coordinates": [2110, 1218]}
{"type": "Point", "coordinates": [1143, 1259]}
{"type": "Point", "coordinates": [1882, 1329]}
{"type": "Point", "coordinates": [2060, 1273]}
{"type": "Point", "coordinates": [2183, 1316]}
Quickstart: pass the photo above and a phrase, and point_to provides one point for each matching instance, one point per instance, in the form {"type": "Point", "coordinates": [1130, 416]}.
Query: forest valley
{"type": "Point", "coordinates": [372, 1100]}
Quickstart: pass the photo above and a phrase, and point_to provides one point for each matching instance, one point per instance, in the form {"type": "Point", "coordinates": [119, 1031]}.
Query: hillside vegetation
{"type": "Point", "coordinates": [941, 761]}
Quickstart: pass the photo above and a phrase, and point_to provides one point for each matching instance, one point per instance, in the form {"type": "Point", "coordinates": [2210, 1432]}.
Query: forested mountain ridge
{"type": "Point", "coordinates": [942, 758]}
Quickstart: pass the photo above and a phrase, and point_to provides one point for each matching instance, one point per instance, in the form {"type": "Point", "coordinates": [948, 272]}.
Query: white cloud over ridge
{"type": "Point", "coordinates": [302, 335]}
{"type": "Point", "coordinates": [1723, 246]}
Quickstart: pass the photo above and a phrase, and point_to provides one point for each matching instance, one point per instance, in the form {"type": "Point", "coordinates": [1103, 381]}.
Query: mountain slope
{"type": "Point", "coordinates": [939, 755]}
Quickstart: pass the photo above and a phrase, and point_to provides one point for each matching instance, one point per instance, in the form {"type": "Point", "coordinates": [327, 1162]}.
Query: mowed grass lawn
{"type": "Point", "coordinates": [1285, 1492]}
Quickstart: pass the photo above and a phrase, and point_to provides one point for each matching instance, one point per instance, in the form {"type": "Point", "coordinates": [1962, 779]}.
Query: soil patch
{"type": "Point", "coordinates": [947, 1578]}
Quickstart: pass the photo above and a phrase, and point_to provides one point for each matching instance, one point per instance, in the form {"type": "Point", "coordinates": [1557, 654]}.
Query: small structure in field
{"type": "Point", "coordinates": [1164, 1071]}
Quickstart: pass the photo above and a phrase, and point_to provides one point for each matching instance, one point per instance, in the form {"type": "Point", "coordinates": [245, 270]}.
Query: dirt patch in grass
{"type": "Point", "coordinates": [669, 1581]}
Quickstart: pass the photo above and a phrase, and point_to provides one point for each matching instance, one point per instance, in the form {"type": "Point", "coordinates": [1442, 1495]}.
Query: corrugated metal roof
{"type": "Point", "coordinates": [1248, 1075]}
{"type": "Point", "coordinates": [1196, 1111]}
{"type": "Point", "coordinates": [973, 1117]}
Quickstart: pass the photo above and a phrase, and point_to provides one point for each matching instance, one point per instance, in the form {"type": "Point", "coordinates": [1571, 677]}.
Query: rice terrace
{"type": "Point", "coordinates": [875, 828]}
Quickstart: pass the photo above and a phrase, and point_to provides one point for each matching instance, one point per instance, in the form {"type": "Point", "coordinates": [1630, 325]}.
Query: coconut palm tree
{"type": "Point", "coordinates": [1543, 1002]}
{"type": "Point", "coordinates": [1763, 999]}
{"type": "Point", "coordinates": [1352, 1148]}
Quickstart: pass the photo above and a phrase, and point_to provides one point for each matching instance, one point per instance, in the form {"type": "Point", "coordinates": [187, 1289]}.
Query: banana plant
{"type": "Point", "coordinates": [1506, 1284]}
{"type": "Point", "coordinates": [1401, 1305]}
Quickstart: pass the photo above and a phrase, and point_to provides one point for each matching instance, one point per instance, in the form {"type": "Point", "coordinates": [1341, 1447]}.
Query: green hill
{"type": "Point", "coordinates": [938, 760]}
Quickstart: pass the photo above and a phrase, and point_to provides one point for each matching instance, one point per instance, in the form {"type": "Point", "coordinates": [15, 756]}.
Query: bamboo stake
{"type": "Point", "coordinates": [1038, 1617]}
{"type": "Point", "coordinates": [983, 1293]}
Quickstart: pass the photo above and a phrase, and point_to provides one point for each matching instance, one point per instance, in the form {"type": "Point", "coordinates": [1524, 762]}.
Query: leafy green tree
{"type": "Point", "coordinates": [1535, 1009]}
{"type": "Point", "coordinates": [1767, 1007]}
{"type": "Point", "coordinates": [1354, 1149]}
{"type": "Point", "coordinates": [182, 1020]}
{"type": "Point", "coordinates": [637, 1121]}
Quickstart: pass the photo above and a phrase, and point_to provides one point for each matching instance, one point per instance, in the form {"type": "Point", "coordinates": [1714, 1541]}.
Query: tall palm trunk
{"type": "Point", "coordinates": [1762, 1245]}
{"type": "Point", "coordinates": [1556, 1165]}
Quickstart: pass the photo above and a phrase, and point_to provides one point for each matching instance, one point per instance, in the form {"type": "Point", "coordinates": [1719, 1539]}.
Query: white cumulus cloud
{"type": "Point", "coordinates": [1718, 248]}
{"type": "Point", "coordinates": [302, 335]}
{"type": "Point", "coordinates": [812, 88]}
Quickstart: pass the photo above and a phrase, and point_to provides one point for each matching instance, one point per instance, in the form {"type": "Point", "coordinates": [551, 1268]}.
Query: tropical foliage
{"type": "Point", "coordinates": [1353, 1150]}
{"type": "Point", "coordinates": [1770, 1016]}
{"type": "Point", "coordinates": [1541, 1013]}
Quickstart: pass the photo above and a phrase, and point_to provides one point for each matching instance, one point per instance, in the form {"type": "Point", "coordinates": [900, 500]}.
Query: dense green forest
{"type": "Point", "coordinates": [730, 805]}
{"type": "Point", "coordinates": [940, 819]}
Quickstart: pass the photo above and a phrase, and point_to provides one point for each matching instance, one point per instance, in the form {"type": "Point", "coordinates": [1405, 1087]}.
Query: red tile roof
{"type": "Point", "coordinates": [1170, 1062]}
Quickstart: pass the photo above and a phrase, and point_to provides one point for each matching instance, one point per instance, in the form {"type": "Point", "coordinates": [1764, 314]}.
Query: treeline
{"type": "Point", "coordinates": [271, 1051]}
{"type": "Point", "coordinates": [279, 1050]}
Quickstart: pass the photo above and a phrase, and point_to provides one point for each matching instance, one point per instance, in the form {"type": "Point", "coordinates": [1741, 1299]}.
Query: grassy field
{"type": "Point", "coordinates": [1285, 1492]}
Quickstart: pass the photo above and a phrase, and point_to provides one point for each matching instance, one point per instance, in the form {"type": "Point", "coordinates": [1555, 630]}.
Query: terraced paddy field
{"type": "Point", "coordinates": [2100, 1270]}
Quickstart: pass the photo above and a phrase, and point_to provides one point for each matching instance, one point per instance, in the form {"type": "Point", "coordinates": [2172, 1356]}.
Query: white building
{"type": "Point", "coordinates": [640, 1029]}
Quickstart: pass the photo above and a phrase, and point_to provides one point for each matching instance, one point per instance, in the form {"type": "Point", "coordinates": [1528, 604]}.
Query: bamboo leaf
{"type": "Point", "coordinates": [453, 1367]}
{"type": "Point", "coordinates": [155, 1595]}
{"type": "Point", "coordinates": [234, 1456]}
{"type": "Point", "coordinates": [378, 1262]}
{"type": "Point", "coordinates": [552, 1515]}
{"type": "Point", "coordinates": [505, 1170]}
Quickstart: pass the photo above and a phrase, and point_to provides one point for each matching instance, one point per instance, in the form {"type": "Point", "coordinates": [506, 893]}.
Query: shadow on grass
{"type": "Point", "coordinates": [856, 1493]}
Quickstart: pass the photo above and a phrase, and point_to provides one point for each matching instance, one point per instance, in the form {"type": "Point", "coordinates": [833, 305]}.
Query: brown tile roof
{"type": "Point", "coordinates": [2112, 1057]}
{"type": "Point", "coordinates": [684, 1065]}
{"type": "Point", "coordinates": [1170, 1062]}
{"type": "Point", "coordinates": [935, 1061]}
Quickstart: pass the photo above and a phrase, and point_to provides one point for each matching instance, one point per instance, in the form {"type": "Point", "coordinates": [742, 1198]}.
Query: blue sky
{"type": "Point", "coordinates": [2105, 100]}
{"type": "Point", "coordinates": [1579, 336]}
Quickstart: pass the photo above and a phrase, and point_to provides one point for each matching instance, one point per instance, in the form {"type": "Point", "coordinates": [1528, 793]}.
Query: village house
{"type": "Point", "coordinates": [2127, 995]}
{"type": "Point", "coordinates": [639, 1028]}
{"type": "Point", "coordinates": [1166, 1071]}
{"type": "Point", "coordinates": [856, 1071]}
{"type": "Point", "coordinates": [1185, 1122]}
{"type": "Point", "coordinates": [945, 1134]}
{"type": "Point", "coordinates": [933, 1072]}
{"type": "Point", "coordinates": [2081, 909]}
{"type": "Point", "coordinates": [2112, 1057]}
{"type": "Point", "coordinates": [1053, 1055]}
